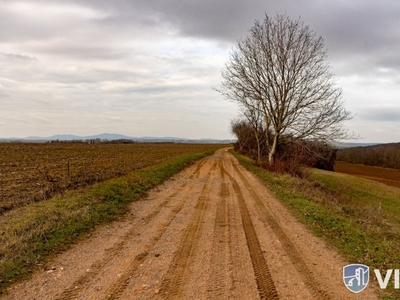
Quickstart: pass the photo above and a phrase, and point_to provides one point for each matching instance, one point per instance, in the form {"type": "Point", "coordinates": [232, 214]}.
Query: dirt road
{"type": "Point", "coordinates": [211, 232]}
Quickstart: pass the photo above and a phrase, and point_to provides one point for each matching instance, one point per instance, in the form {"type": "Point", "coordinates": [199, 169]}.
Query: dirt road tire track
{"type": "Point", "coordinates": [120, 285]}
{"type": "Point", "coordinates": [79, 284]}
{"type": "Point", "coordinates": [220, 284]}
{"type": "Point", "coordinates": [290, 249]}
{"type": "Point", "coordinates": [173, 280]}
{"type": "Point", "coordinates": [266, 286]}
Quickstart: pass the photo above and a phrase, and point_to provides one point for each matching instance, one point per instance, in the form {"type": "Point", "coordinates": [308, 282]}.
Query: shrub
{"type": "Point", "coordinates": [296, 157]}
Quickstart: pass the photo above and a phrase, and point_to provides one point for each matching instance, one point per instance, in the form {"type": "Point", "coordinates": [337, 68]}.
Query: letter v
{"type": "Point", "coordinates": [383, 284]}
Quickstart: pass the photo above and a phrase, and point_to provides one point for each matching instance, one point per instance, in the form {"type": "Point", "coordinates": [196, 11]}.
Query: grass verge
{"type": "Point", "coordinates": [359, 217]}
{"type": "Point", "coordinates": [30, 234]}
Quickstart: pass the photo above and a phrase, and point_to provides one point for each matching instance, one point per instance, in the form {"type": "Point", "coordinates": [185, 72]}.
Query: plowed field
{"type": "Point", "coordinates": [34, 172]}
{"type": "Point", "coordinates": [211, 232]}
{"type": "Point", "coordinates": [384, 175]}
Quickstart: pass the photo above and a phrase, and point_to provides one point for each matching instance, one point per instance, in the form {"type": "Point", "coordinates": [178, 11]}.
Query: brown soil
{"type": "Point", "coordinates": [31, 172]}
{"type": "Point", "coordinates": [212, 232]}
{"type": "Point", "coordinates": [384, 175]}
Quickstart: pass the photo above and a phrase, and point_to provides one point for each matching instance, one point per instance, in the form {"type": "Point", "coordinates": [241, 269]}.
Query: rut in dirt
{"type": "Point", "coordinates": [291, 250]}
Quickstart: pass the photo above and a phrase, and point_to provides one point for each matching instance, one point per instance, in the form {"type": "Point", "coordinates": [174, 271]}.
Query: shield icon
{"type": "Point", "coordinates": [356, 277]}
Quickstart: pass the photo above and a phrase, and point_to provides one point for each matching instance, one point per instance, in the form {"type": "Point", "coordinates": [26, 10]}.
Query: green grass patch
{"type": "Point", "coordinates": [359, 217]}
{"type": "Point", "coordinates": [30, 234]}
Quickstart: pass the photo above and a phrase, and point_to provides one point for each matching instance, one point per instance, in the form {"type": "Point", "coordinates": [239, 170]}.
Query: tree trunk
{"type": "Point", "coordinates": [272, 151]}
{"type": "Point", "coordinates": [258, 148]}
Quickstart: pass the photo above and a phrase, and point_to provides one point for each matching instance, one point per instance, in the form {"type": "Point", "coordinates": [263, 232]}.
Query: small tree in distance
{"type": "Point", "coordinates": [279, 71]}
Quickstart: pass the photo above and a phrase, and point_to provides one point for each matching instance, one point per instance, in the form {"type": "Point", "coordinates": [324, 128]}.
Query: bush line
{"type": "Point", "coordinates": [30, 234]}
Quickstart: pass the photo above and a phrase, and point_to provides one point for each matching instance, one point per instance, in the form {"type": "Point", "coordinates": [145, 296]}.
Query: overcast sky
{"type": "Point", "coordinates": [147, 67]}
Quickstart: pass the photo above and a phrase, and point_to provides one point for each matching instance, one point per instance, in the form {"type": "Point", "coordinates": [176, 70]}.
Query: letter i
{"type": "Point", "coordinates": [396, 278]}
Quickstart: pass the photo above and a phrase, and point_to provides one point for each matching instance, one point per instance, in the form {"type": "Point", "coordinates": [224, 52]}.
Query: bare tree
{"type": "Point", "coordinates": [280, 69]}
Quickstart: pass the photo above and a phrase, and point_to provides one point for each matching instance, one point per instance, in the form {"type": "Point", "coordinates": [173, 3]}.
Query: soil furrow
{"type": "Point", "coordinates": [266, 286]}
{"type": "Point", "coordinates": [174, 279]}
{"type": "Point", "coordinates": [290, 249]}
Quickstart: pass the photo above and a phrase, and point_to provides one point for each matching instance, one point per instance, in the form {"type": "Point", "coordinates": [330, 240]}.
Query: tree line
{"type": "Point", "coordinates": [384, 155]}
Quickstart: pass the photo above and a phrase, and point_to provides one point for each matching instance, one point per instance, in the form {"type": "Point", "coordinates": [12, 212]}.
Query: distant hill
{"type": "Point", "coordinates": [70, 137]}
{"type": "Point", "coordinates": [352, 145]}
{"type": "Point", "coordinates": [113, 137]}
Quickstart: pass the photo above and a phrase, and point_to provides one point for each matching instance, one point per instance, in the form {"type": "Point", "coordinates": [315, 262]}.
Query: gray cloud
{"type": "Point", "coordinates": [381, 114]}
{"type": "Point", "coordinates": [18, 57]}
{"type": "Point", "coordinates": [364, 32]}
